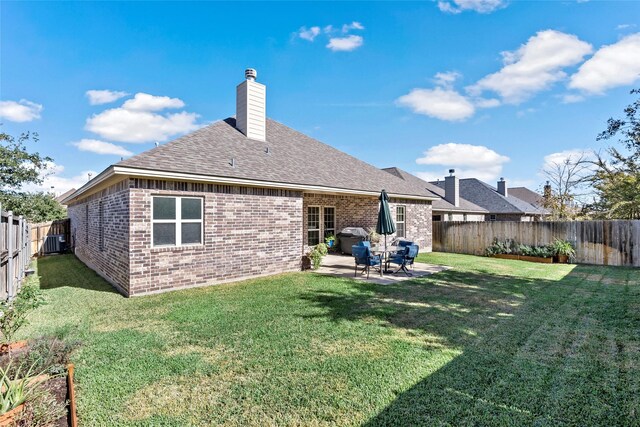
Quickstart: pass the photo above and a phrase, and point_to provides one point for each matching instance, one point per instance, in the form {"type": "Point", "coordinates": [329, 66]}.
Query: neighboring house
{"type": "Point", "coordinates": [242, 197]}
{"type": "Point", "coordinates": [500, 205]}
{"type": "Point", "coordinates": [526, 195]}
{"type": "Point", "coordinates": [64, 195]}
{"type": "Point", "coordinates": [450, 206]}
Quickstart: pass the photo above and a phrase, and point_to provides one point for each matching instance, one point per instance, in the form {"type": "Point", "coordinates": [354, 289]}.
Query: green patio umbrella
{"type": "Point", "coordinates": [385, 224]}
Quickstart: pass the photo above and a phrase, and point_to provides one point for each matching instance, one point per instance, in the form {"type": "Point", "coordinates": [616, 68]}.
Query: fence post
{"type": "Point", "coordinates": [11, 276]}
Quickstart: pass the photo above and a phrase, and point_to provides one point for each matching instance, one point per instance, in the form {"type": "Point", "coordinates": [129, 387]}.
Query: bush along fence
{"type": "Point", "coordinates": [595, 242]}
{"type": "Point", "coordinates": [15, 253]}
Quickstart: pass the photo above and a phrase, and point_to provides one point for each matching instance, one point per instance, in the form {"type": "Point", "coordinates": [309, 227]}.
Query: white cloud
{"type": "Point", "coordinates": [470, 161]}
{"type": "Point", "coordinates": [446, 79]}
{"type": "Point", "coordinates": [611, 66]}
{"type": "Point", "coordinates": [308, 34]}
{"type": "Point", "coordinates": [53, 177]}
{"type": "Point", "coordinates": [487, 103]}
{"type": "Point", "coordinates": [353, 26]}
{"type": "Point", "coordinates": [534, 67]}
{"type": "Point", "coordinates": [572, 155]}
{"type": "Point", "coordinates": [98, 97]}
{"type": "Point", "coordinates": [345, 44]}
{"type": "Point", "coordinates": [101, 147]}
{"type": "Point", "coordinates": [21, 111]}
{"type": "Point", "coordinates": [571, 98]}
{"type": "Point", "coordinates": [137, 120]}
{"type": "Point", "coordinates": [145, 102]}
{"type": "Point", "coordinates": [625, 26]}
{"type": "Point", "coordinates": [480, 6]}
{"type": "Point", "coordinates": [441, 103]}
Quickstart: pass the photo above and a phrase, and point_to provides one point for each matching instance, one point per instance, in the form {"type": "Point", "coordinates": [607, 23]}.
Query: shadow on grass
{"type": "Point", "coordinates": [534, 351]}
{"type": "Point", "coordinates": [60, 271]}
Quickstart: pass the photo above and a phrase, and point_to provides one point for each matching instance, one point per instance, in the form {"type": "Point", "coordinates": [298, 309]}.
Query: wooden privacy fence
{"type": "Point", "coordinates": [596, 242]}
{"type": "Point", "coordinates": [49, 237]}
{"type": "Point", "coordinates": [15, 253]}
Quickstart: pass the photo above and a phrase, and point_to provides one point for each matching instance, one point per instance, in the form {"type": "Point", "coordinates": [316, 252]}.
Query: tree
{"type": "Point", "coordinates": [17, 165]}
{"type": "Point", "coordinates": [36, 207]}
{"type": "Point", "coordinates": [567, 178]}
{"type": "Point", "coordinates": [617, 179]}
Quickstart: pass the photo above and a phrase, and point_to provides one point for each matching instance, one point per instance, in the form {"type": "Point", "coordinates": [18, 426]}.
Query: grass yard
{"type": "Point", "coordinates": [491, 342]}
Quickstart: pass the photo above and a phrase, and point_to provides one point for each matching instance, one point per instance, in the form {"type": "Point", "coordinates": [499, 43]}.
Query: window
{"type": "Point", "coordinates": [437, 218]}
{"type": "Point", "coordinates": [177, 221]}
{"type": "Point", "coordinates": [492, 217]}
{"type": "Point", "coordinates": [329, 218]}
{"type": "Point", "coordinates": [464, 217]}
{"type": "Point", "coordinates": [101, 226]}
{"type": "Point", "coordinates": [313, 225]}
{"type": "Point", "coordinates": [400, 221]}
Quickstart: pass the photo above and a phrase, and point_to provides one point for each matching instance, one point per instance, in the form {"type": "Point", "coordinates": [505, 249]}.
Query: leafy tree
{"type": "Point", "coordinates": [36, 207]}
{"type": "Point", "coordinates": [617, 180]}
{"type": "Point", "coordinates": [17, 165]}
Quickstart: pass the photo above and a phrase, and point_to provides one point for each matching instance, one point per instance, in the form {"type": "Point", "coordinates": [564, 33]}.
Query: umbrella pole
{"type": "Point", "coordinates": [386, 255]}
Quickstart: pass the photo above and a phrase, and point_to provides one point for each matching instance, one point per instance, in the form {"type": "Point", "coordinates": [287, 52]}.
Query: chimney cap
{"type": "Point", "coordinates": [501, 179]}
{"type": "Point", "coordinates": [452, 171]}
{"type": "Point", "coordinates": [250, 74]}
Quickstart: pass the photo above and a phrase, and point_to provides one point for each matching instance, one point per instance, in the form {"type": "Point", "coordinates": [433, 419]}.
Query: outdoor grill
{"type": "Point", "coordinates": [351, 236]}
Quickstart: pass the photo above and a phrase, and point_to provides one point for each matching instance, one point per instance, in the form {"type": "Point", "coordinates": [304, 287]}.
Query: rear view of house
{"type": "Point", "coordinates": [243, 197]}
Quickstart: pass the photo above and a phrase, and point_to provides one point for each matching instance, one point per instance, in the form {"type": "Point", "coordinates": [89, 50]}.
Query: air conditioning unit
{"type": "Point", "coordinates": [54, 243]}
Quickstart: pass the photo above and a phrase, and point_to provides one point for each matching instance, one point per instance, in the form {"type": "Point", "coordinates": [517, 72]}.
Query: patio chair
{"type": "Point", "coordinates": [363, 257]}
{"type": "Point", "coordinates": [364, 243]}
{"type": "Point", "coordinates": [401, 244]}
{"type": "Point", "coordinates": [404, 259]}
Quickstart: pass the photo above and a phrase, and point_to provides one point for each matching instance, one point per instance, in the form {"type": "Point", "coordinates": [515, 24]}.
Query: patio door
{"type": "Point", "coordinates": [321, 222]}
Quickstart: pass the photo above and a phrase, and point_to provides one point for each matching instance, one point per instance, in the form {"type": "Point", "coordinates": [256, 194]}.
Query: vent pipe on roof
{"type": "Point", "coordinates": [502, 187]}
{"type": "Point", "coordinates": [251, 106]}
{"type": "Point", "coordinates": [452, 188]}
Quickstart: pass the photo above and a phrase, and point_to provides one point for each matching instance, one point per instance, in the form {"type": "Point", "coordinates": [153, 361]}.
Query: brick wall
{"type": "Point", "coordinates": [360, 211]}
{"type": "Point", "coordinates": [101, 240]}
{"type": "Point", "coordinates": [247, 232]}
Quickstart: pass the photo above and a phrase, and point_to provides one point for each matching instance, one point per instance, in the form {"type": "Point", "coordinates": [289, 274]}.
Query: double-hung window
{"type": "Point", "coordinates": [177, 221]}
{"type": "Point", "coordinates": [329, 218]}
{"type": "Point", "coordinates": [400, 221]}
{"type": "Point", "coordinates": [313, 225]}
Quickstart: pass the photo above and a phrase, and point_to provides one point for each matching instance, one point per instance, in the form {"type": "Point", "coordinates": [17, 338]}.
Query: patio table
{"type": "Point", "coordinates": [385, 250]}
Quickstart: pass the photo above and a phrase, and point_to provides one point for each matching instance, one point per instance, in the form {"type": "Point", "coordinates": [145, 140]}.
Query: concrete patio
{"type": "Point", "coordinates": [343, 266]}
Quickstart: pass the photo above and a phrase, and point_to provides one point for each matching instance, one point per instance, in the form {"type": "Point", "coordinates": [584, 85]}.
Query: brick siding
{"type": "Point", "coordinates": [362, 211]}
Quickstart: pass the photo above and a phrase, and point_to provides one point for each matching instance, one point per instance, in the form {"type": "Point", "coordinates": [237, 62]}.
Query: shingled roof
{"type": "Point", "coordinates": [287, 156]}
{"type": "Point", "coordinates": [482, 194]}
{"type": "Point", "coordinates": [529, 196]}
{"type": "Point", "coordinates": [441, 204]}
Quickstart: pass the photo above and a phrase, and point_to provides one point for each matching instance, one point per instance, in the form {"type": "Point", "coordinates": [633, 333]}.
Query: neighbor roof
{"type": "Point", "coordinates": [482, 194]}
{"type": "Point", "coordinates": [287, 157]}
{"type": "Point", "coordinates": [529, 196]}
{"type": "Point", "coordinates": [441, 204]}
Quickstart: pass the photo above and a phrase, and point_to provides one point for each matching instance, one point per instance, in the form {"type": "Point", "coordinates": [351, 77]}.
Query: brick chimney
{"type": "Point", "coordinates": [502, 187]}
{"type": "Point", "coordinates": [251, 106]}
{"type": "Point", "coordinates": [452, 188]}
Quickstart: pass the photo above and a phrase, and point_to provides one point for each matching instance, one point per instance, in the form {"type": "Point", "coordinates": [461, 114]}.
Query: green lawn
{"type": "Point", "coordinates": [490, 342]}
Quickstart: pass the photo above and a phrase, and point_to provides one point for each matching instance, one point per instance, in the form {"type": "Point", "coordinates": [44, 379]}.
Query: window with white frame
{"type": "Point", "coordinates": [400, 221]}
{"type": "Point", "coordinates": [492, 217]}
{"type": "Point", "coordinates": [313, 225]}
{"type": "Point", "coordinates": [329, 220]}
{"type": "Point", "coordinates": [177, 221]}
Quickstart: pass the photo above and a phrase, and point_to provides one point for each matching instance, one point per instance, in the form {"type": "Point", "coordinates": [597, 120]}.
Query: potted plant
{"type": "Point", "coordinates": [374, 237]}
{"type": "Point", "coordinates": [330, 240]}
{"type": "Point", "coordinates": [563, 251]}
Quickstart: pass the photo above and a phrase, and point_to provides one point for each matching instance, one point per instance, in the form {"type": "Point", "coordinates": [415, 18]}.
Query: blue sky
{"type": "Point", "coordinates": [491, 88]}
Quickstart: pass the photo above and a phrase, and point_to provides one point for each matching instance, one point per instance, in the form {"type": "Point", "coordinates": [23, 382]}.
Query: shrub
{"type": "Point", "coordinates": [17, 386]}
{"type": "Point", "coordinates": [563, 247]}
{"type": "Point", "coordinates": [13, 314]}
{"type": "Point", "coordinates": [317, 253]}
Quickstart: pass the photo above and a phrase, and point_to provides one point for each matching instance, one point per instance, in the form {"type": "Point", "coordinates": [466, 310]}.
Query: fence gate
{"type": "Point", "coordinates": [15, 253]}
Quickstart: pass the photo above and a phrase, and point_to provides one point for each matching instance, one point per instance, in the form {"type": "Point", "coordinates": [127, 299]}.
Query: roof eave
{"type": "Point", "coordinates": [158, 174]}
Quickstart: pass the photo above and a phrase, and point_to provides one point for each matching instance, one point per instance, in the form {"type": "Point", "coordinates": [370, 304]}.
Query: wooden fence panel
{"type": "Point", "coordinates": [15, 253]}
{"type": "Point", "coordinates": [596, 242]}
{"type": "Point", "coordinates": [40, 231]}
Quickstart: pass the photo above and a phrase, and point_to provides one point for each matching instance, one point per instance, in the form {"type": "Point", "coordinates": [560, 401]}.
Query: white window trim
{"type": "Point", "coordinates": [404, 221]}
{"type": "Point", "coordinates": [319, 229]}
{"type": "Point", "coordinates": [178, 221]}
{"type": "Point", "coordinates": [335, 216]}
